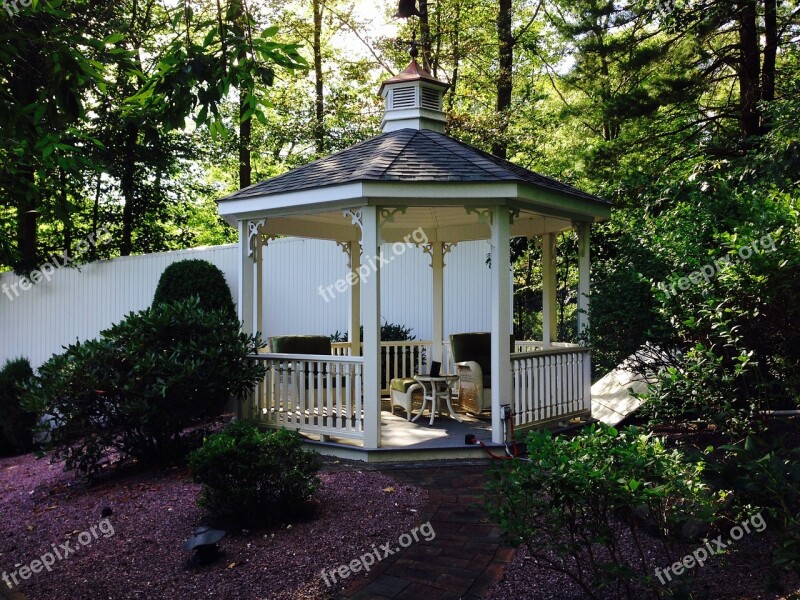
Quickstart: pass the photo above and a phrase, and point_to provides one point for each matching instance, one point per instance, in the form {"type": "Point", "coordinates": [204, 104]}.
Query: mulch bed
{"type": "Point", "coordinates": [154, 512]}
{"type": "Point", "coordinates": [740, 573]}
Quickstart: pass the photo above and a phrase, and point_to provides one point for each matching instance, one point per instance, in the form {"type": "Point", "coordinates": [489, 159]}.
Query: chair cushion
{"type": "Point", "coordinates": [477, 347]}
{"type": "Point", "coordinates": [300, 344]}
{"type": "Point", "coordinates": [402, 384]}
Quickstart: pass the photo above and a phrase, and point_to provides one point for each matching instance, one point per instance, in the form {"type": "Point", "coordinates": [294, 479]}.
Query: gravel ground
{"type": "Point", "coordinates": [741, 573]}
{"type": "Point", "coordinates": [738, 575]}
{"type": "Point", "coordinates": [153, 513]}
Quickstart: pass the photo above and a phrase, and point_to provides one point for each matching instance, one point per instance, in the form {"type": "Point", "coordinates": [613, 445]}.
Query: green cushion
{"type": "Point", "coordinates": [402, 385]}
{"type": "Point", "coordinates": [477, 347]}
{"type": "Point", "coordinates": [300, 344]}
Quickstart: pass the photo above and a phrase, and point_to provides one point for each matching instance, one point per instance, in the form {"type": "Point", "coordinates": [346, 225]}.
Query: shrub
{"type": "Point", "coordinates": [195, 278]}
{"type": "Point", "coordinates": [577, 501]}
{"type": "Point", "coordinates": [763, 473]}
{"type": "Point", "coordinates": [16, 424]}
{"type": "Point", "coordinates": [254, 478]}
{"type": "Point", "coordinates": [135, 388]}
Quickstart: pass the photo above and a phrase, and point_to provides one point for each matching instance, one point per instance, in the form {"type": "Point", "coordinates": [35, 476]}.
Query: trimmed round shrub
{"type": "Point", "coordinates": [135, 389]}
{"type": "Point", "coordinates": [16, 423]}
{"type": "Point", "coordinates": [255, 478]}
{"type": "Point", "coordinates": [195, 278]}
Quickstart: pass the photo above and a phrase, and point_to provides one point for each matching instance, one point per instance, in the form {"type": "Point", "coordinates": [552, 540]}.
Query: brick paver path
{"type": "Point", "coordinates": [466, 557]}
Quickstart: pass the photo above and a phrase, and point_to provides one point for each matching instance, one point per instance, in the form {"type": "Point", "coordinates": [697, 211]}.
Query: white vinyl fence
{"type": "Point", "coordinates": [78, 304]}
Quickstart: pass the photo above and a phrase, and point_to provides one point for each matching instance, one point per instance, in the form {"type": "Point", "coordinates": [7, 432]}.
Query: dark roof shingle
{"type": "Point", "coordinates": [407, 155]}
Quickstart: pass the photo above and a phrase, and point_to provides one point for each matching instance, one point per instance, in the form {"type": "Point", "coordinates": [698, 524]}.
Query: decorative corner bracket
{"type": "Point", "coordinates": [347, 248]}
{"type": "Point", "coordinates": [254, 229]}
{"type": "Point", "coordinates": [513, 213]}
{"type": "Point", "coordinates": [388, 214]}
{"type": "Point", "coordinates": [581, 228]}
{"type": "Point", "coordinates": [447, 247]}
{"type": "Point", "coordinates": [355, 215]}
{"type": "Point", "coordinates": [484, 214]}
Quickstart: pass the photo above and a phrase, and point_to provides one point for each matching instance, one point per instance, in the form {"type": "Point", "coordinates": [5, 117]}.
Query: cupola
{"type": "Point", "coordinates": [413, 100]}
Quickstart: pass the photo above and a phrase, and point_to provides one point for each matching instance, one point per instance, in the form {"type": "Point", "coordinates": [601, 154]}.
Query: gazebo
{"type": "Point", "coordinates": [413, 184]}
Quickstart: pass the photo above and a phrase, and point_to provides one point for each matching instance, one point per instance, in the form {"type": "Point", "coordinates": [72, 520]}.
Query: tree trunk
{"type": "Point", "coordinates": [505, 78]}
{"type": "Point", "coordinates": [319, 125]}
{"type": "Point", "coordinates": [770, 50]}
{"type": "Point", "coordinates": [425, 34]}
{"type": "Point", "coordinates": [66, 217]}
{"type": "Point", "coordinates": [127, 186]}
{"type": "Point", "coordinates": [749, 67]}
{"type": "Point", "coordinates": [22, 86]}
{"type": "Point", "coordinates": [245, 137]}
{"type": "Point", "coordinates": [26, 224]}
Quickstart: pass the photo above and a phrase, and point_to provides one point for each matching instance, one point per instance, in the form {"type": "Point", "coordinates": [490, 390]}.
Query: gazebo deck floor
{"type": "Point", "coordinates": [446, 432]}
{"type": "Point", "coordinates": [402, 440]}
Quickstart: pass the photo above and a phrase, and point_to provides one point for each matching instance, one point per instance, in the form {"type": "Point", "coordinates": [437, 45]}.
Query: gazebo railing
{"type": "Point", "coordinates": [403, 359]}
{"type": "Point", "coordinates": [324, 394]}
{"type": "Point", "coordinates": [552, 384]}
{"type": "Point", "coordinates": [313, 393]}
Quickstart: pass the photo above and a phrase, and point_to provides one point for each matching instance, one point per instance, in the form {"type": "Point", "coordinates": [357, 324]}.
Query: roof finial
{"type": "Point", "coordinates": [413, 49]}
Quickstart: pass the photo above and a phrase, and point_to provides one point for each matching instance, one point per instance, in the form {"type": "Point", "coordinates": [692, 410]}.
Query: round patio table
{"type": "Point", "coordinates": [435, 389]}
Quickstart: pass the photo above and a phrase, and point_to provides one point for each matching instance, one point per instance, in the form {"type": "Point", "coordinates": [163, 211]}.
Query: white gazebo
{"type": "Point", "coordinates": [413, 184]}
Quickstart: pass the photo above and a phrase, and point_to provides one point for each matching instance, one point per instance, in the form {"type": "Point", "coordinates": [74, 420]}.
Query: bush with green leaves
{"type": "Point", "coordinates": [195, 278]}
{"type": "Point", "coordinates": [16, 423]}
{"type": "Point", "coordinates": [135, 389]}
{"type": "Point", "coordinates": [255, 478]}
{"type": "Point", "coordinates": [763, 474]}
{"type": "Point", "coordinates": [576, 501]}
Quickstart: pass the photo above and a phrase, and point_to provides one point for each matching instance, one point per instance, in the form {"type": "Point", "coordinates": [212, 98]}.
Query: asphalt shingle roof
{"type": "Point", "coordinates": [406, 155]}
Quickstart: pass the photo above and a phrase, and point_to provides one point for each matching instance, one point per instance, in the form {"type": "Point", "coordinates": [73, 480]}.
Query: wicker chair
{"type": "Point", "coordinates": [403, 392]}
{"type": "Point", "coordinates": [472, 353]}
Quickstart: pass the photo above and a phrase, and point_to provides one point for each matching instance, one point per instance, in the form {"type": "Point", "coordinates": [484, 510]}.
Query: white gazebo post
{"type": "Point", "coordinates": [354, 331]}
{"type": "Point", "coordinates": [584, 272]}
{"type": "Point", "coordinates": [248, 263]}
{"type": "Point", "coordinates": [549, 322]}
{"type": "Point", "coordinates": [371, 313]}
{"type": "Point", "coordinates": [437, 266]}
{"type": "Point", "coordinates": [501, 317]}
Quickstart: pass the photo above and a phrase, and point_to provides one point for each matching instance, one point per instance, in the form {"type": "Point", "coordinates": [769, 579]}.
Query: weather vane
{"type": "Point", "coordinates": [406, 10]}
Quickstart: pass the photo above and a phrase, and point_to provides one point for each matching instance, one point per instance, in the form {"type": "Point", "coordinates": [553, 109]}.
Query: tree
{"type": "Point", "coordinates": [50, 58]}
{"type": "Point", "coordinates": [215, 55]}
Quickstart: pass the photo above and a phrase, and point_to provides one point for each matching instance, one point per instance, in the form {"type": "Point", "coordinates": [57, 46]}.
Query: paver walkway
{"type": "Point", "coordinates": [466, 557]}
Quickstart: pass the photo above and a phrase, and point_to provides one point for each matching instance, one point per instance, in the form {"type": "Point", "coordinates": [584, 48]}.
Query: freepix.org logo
{"type": "Point", "coordinates": [13, 7]}
{"type": "Point", "coordinates": [46, 271]}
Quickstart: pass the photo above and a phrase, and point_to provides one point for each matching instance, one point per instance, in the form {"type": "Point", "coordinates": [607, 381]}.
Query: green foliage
{"type": "Point", "coordinates": [390, 332]}
{"type": "Point", "coordinates": [575, 502]}
{"type": "Point", "coordinates": [195, 278]}
{"type": "Point", "coordinates": [393, 332]}
{"type": "Point", "coordinates": [735, 351]}
{"type": "Point", "coordinates": [255, 478]}
{"type": "Point", "coordinates": [763, 473]}
{"type": "Point", "coordinates": [17, 423]}
{"type": "Point", "coordinates": [194, 76]}
{"type": "Point", "coordinates": [142, 382]}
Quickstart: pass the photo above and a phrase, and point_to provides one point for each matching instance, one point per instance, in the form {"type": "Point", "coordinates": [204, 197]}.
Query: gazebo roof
{"type": "Point", "coordinates": [407, 156]}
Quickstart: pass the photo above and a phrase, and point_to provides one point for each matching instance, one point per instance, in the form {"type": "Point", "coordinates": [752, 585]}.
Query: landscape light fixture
{"type": "Point", "coordinates": [205, 545]}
